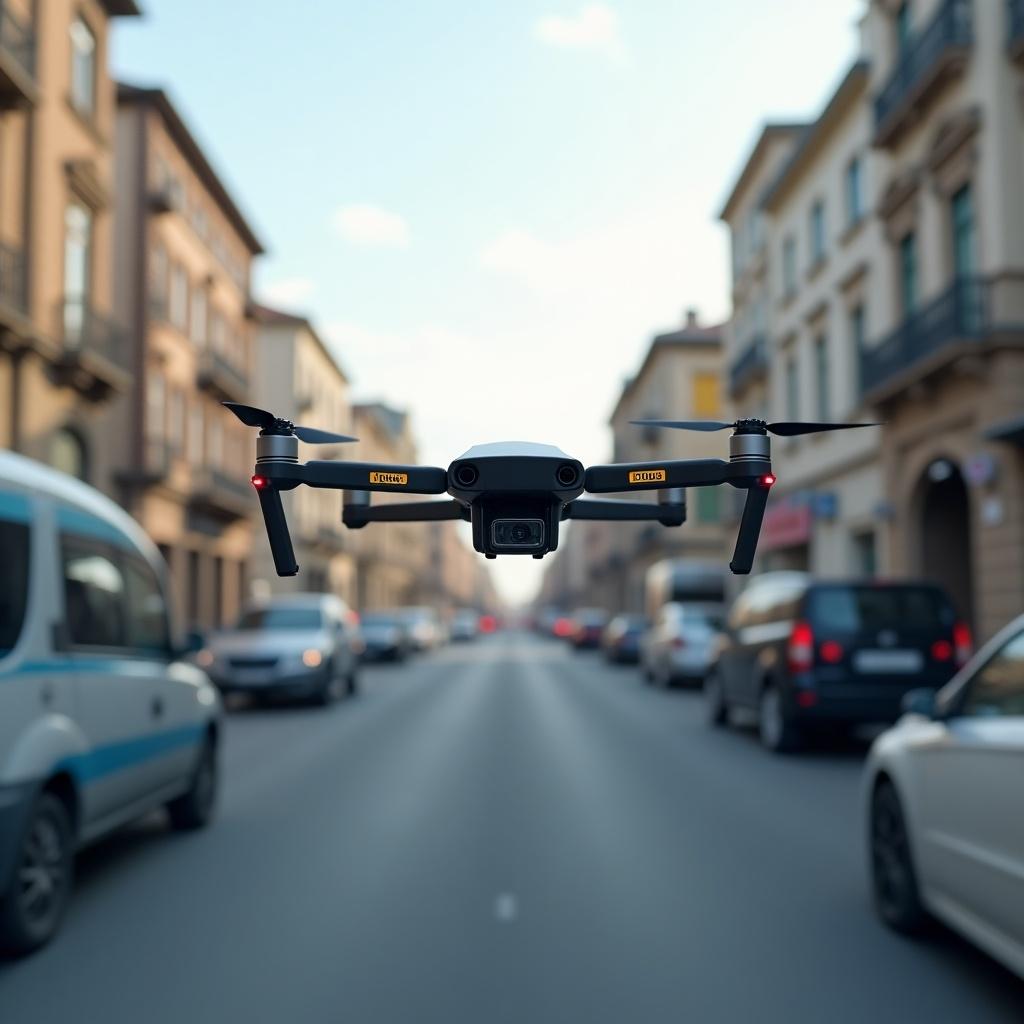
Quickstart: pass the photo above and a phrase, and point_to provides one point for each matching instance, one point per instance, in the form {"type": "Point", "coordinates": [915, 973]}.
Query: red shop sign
{"type": "Point", "coordinates": [786, 525]}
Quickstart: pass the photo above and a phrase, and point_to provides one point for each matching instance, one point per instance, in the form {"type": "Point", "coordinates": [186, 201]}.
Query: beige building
{"type": "Point", "coordinates": [63, 354]}
{"type": "Point", "coordinates": [391, 558]}
{"type": "Point", "coordinates": [893, 240]}
{"type": "Point", "coordinates": [455, 575]}
{"type": "Point", "coordinates": [298, 378]}
{"type": "Point", "coordinates": [679, 378]}
{"type": "Point", "coordinates": [182, 282]}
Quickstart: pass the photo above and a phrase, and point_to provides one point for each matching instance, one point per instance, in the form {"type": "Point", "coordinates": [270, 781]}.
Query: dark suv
{"type": "Point", "coordinates": [806, 654]}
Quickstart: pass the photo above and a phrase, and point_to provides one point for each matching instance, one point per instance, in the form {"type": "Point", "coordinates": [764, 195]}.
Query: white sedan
{"type": "Point", "coordinates": [944, 790]}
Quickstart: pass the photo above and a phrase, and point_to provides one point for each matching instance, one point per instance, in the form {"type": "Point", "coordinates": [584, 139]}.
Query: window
{"type": "Point", "coordinates": [962, 218]}
{"type": "Point", "coordinates": [789, 266]}
{"type": "Point", "coordinates": [199, 309]}
{"type": "Point", "coordinates": [854, 193]}
{"type": "Point", "coordinates": [858, 328]}
{"type": "Point", "coordinates": [706, 394]}
{"type": "Point", "coordinates": [83, 67]}
{"type": "Point", "coordinates": [708, 509]}
{"type": "Point", "coordinates": [14, 554]}
{"type": "Point", "coordinates": [146, 619]}
{"type": "Point", "coordinates": [998, 688]}
{"type": "Point", "coordinates": [158, 273]}
{"type": "Point", "coordinates": [817, 232]}
{"type": "Point", "coordinates": [178, 304]}
{"type": "Point", "coordinates": [67, 453]}
{"type": "Point", "coordinates": [908, 273]}
{"type": "Point", "coordinates": [792, 389]}
{"type": "Point", "coordinates": [93, 594]}
{"type": "Point", "coordinates": [156, 396]}
{"type": "Point", "coordinates": [865, 556]}
{"type": "Point", "coordinates": [821, 378]}
{"type": "Point", "coordinates": [176, 419]}
{"type": "Point", "coordinates": [77, 268]}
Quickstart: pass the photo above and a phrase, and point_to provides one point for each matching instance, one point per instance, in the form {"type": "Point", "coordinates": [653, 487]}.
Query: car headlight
{"type": "Point", "coordinates": [205, 658]}
{"type": "Point", "coordinates": [312, 658]}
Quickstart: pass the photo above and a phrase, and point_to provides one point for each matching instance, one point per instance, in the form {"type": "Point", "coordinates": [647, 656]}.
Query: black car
{"type": "Point", "coordinates": [806, 654]}
{"type": "Point", "coordinates": [621, 640]}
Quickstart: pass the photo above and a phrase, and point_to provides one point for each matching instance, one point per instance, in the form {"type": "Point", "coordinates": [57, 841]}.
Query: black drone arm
{"type": "Point", "coordinates": [649, 476]}
{"type": "Point", "coordinates": [362, 476]}
{"type": "Point", "coordinates": [668, 514]}
{"type": "Point", "coordinates": [357, 515]}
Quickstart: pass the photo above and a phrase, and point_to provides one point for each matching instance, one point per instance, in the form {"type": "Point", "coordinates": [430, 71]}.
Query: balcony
{"type": "Point", "coordinates": [221, 378]}
{"type": "Point", "coordinates": [1015, 30]}
{"type": "Point", "coordinates": [946, 327]}
{"type": "Point", "coordinates": [17, 61]}
{"type": "Point", "coordinates": [220, 498]}
{"type": "Point", "coordinates": [938, 53]}
{"type": "Point", "coordinates": [751, 365]}
{"type": "Point", "coordinates": [158, 455]}
{"type": "Point", "coordinates": [94, 354]}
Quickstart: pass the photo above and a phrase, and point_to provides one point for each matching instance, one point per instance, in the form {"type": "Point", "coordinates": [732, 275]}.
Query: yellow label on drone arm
{"type": "Point", "coordinates": [395, 479]}
{"type": "Point", "coordinates": [647, 476]}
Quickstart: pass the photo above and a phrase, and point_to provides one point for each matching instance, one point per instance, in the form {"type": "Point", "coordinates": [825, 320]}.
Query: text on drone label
{"type": "Point", "coordinates": [399, 479]}
{"type": "Point", "coordinates": [647, 476]}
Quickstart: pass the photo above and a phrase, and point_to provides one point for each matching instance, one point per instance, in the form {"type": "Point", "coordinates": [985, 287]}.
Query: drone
{"type": "Point", "coordinates": [516, 493]}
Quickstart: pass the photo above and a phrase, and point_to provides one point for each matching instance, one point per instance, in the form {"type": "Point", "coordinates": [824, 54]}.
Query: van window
{"type": "Point", "coordinates": [14, 544]}
{"type": "Point", "coordinates": [147, 610]}
{"type": "Point", "coordinates": [872, 608]}
{"type": "Point", "coordinates": [94, 594]}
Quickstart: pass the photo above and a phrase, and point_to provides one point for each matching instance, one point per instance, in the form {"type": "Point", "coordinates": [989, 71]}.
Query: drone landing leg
{"type": "Point", "coordinates": [277, 531]}
{"type": "Point", "coordinates": [750, 528]}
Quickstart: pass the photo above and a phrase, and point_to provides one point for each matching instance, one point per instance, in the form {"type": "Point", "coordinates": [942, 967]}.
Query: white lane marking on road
{"type": "Point", "coordinates": [506, 907]}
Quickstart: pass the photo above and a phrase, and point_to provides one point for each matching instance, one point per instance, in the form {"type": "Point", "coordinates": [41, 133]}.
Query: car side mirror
{"type": "Point", "coordinates": [919, 702]}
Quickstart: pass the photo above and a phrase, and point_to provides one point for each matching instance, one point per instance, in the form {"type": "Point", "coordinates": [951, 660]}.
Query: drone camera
{"type": "Point", "coordinates": [522, 534]}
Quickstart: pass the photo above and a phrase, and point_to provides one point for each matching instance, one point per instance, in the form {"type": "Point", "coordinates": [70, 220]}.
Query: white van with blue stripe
{"type": "Point", "coordinates": [101, 720]}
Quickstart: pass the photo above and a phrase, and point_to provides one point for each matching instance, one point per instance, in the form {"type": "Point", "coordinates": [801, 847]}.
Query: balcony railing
{"type": "Point", "coordinates": [960, 314]}
{"type": "Point", "coordinates": [938, 50]}
{"type": "Point", "coordinates": [221, 495]}
{"type": "Point", "coordinates": [751, 365]}
{"type": "Point", "coordinates": [221, 377]}
{"type": "Point", "coordinates": [1015, 28]}
{"type": "Point", "coordinates": [12, 279]}
{"type": "Point", "coordinates": [84, 331]}
{"type": "Point", "coordinates": [17, 59]}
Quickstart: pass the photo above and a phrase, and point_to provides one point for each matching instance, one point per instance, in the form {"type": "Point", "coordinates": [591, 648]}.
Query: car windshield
{"type": "Point", "coordinates": [281, 617]}
{"type": "Point", "coordinates": [855, 609]}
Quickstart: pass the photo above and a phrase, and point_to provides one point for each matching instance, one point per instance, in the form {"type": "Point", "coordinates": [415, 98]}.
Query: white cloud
{"type": "Point", "coordinates": [595, 29]}
{"type": "Point", "coordinates": [287, 291]}
{"type": "Point", "coordinates": [365, 224]}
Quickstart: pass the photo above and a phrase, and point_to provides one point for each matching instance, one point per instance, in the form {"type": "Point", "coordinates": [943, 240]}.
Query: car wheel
{"type": "Point", "coordinates": [331, 689]}
{"type": "Point", "coordinates": [715, 707]}
{"type": "Point", "coordinates": [194, 808]}
{"type": "Point", "coordinates": [777, 732]}
{"type": "Point", "coordinates": [893, 879]}
{"type": "Point", "coordinates": [31, 912]}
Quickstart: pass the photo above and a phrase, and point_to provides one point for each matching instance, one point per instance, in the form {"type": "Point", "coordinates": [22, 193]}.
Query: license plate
{"type": "Point", "coordinates": [887, 661]}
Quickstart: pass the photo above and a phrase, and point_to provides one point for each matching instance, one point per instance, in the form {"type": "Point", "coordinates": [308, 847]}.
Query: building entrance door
{"type": "Point", "coordinates": [945, 534]}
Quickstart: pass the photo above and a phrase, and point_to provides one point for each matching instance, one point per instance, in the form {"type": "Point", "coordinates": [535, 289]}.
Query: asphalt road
{"type": "Point", "coordinates": [500, 832]}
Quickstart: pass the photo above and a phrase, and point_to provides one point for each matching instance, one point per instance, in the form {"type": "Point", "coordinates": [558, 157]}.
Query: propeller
{"type": "Point", "coordinates": [271, 424]}
{"type": "Point", "coordinates": [753, 426]}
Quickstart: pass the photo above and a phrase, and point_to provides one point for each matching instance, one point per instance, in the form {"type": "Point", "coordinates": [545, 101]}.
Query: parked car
{"type": "Point", "coordinates": [294, 646]}
{"type": "Point", "coordinates": [424, 625]}
{"type": "Point", "coordinates": [621, 639]}
{"type": "Point", "coordinates": [464, 625]}
{"type": "Point", "coordinates": [944, 796]}
{"type": "Point", "coordinates": [385, 636]}
{"type": "Point", "coordinates": [680, 645]}
{"type": "Point", "coordinates": [587, 628]}
{"type": "Point", "coordinates": [807, 655]}
{"type": "Point", "coordinates": [101, 720]}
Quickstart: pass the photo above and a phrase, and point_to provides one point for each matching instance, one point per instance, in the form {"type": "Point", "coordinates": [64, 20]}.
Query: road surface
{"type": "Point", "coordinates": [502, 831]}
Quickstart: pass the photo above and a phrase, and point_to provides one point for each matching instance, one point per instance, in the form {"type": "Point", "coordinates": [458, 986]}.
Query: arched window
{"type": "Point", "coordinates": [68, 453]}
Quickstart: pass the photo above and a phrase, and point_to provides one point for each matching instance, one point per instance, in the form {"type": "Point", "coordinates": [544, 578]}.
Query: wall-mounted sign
{"type": "Point", "coordinates": [826, 505]}
{"type": "Point", "coordinates": [785, 525]}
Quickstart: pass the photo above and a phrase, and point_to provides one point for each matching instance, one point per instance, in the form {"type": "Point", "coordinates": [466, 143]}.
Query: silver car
{"type": "Point", "coordinates": [944, 795]}
{"type": "Point", "coordinates": [680, 645]}
{"type": "Point", "coordinates": [300, 646]}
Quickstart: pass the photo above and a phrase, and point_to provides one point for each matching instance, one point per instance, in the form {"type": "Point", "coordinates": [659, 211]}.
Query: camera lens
{"type": "Point", "coordinates": [520, 533]}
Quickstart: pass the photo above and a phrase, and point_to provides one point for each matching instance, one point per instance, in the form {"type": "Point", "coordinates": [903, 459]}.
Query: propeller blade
{"type": "Point", "coordinates": [312, 436]}
{"type": "Point", "coordinates": [251, 416]}
{"type": "Point", "coordinates": [704, 425]}
{"type": "Point", "coordinates": [796, 429]}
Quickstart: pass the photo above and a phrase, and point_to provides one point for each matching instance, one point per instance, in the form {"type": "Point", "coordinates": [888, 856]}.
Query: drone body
{"type": "Point", "coordinates": [515, 493]}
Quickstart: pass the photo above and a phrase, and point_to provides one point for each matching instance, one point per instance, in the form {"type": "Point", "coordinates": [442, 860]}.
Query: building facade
{"type": "Point", "coordinates": [893, 238]}
{"type": "Point", "coordinates": [182, 270]}
{"type": "Point", "coordinates": [63, 354]}
{"type": "Point", "coordinates": [298, 378]}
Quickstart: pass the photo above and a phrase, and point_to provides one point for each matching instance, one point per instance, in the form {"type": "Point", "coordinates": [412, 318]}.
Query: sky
{"type": "Point", "coordinates": [488, 207]}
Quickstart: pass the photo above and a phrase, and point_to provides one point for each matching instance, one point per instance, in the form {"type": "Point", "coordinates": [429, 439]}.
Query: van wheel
{"type": "Point", "coordinates": [194, 808]}
{"type": "Point", "coordinates": [715, 707]}
{"type": "Point", "coordinates": [893, 880]}
{"type": "Point", "coordinates": [31, 912]}
{"type": "Point", "coordinates": [778, 733]}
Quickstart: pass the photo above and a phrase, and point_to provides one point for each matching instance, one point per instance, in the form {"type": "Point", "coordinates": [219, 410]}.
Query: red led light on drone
{"type": "Point", "coordinates": [260, 483]}
{"type": "Point", "coordinates": [768, 479]}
